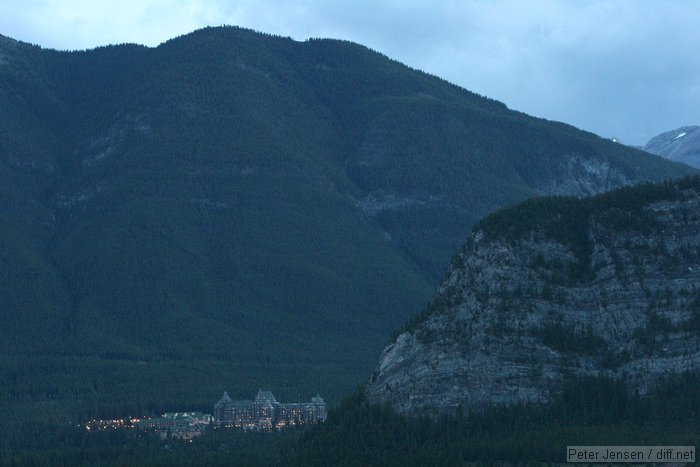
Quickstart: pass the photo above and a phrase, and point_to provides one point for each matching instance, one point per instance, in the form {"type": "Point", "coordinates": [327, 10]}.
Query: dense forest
{"type": "Point", "coordinates": [592, 411]}
{"type": "Point", "coordinates": [49, 445]}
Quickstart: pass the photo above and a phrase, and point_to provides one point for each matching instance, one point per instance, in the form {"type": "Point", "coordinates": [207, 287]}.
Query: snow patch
{"type": "Point", "coordinates": [680, 136]}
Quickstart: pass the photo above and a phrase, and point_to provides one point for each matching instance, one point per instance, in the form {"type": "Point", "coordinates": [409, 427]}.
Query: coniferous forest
{"type": "Point", "coordinates": [592, 411]}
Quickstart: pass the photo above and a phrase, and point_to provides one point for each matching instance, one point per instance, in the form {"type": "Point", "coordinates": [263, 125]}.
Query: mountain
{"type": "Point", "coordinates": [552, 289]}
{"type": "Point", "coordinates": [233, 210]}
{"type": "Point", "coordinates": [681, 145]}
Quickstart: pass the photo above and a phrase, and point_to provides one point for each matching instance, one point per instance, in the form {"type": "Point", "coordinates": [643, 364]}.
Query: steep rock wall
{"type": "Point", "coordinates": [593, 287]}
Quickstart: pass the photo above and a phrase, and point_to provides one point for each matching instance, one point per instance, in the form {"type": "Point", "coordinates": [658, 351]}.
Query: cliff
{"type": "Point", "coordinates": [556, 287]}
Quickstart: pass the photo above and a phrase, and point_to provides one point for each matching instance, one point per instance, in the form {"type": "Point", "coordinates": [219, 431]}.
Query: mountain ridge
{"type": "Point", "coordinates": [242, 209]}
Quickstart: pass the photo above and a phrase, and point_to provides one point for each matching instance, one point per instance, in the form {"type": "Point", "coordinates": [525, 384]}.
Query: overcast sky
{"type": "Point", "coordinates": [623, 68]}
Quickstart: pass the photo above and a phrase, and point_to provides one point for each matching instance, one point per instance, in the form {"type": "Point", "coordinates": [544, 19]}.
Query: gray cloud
{"type": "Point", "coordinates": [624, 68]}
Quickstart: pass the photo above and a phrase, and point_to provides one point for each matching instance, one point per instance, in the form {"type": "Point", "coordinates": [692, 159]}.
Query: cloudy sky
{"type": "Point", "coordinates": [620, 68]}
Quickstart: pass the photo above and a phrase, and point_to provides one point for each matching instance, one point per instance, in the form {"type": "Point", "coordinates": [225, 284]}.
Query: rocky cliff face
{"type": "Point", "coordinates": [681, 145]}
{"type": "Point", "coordinates": [557, 286]}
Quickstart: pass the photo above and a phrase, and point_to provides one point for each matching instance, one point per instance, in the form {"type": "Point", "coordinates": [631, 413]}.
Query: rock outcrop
{"type": "Point", "coordinates": [608, 285]}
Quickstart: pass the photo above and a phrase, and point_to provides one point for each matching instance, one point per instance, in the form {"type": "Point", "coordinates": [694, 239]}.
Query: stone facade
{"type": "Point", "coordinates": [265, 413]}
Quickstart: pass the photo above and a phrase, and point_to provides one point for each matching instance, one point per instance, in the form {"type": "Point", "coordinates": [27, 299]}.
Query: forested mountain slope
{"type": "Point", "coordinates": [232, 210]}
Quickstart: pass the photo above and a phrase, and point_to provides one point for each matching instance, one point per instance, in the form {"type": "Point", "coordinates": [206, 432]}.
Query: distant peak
{"type": "Point", "coordinates": [681, 145]}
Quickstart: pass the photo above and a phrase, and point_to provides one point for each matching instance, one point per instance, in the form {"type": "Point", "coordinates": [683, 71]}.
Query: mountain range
{"type": "Point", "coordinates": [233, 210]}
